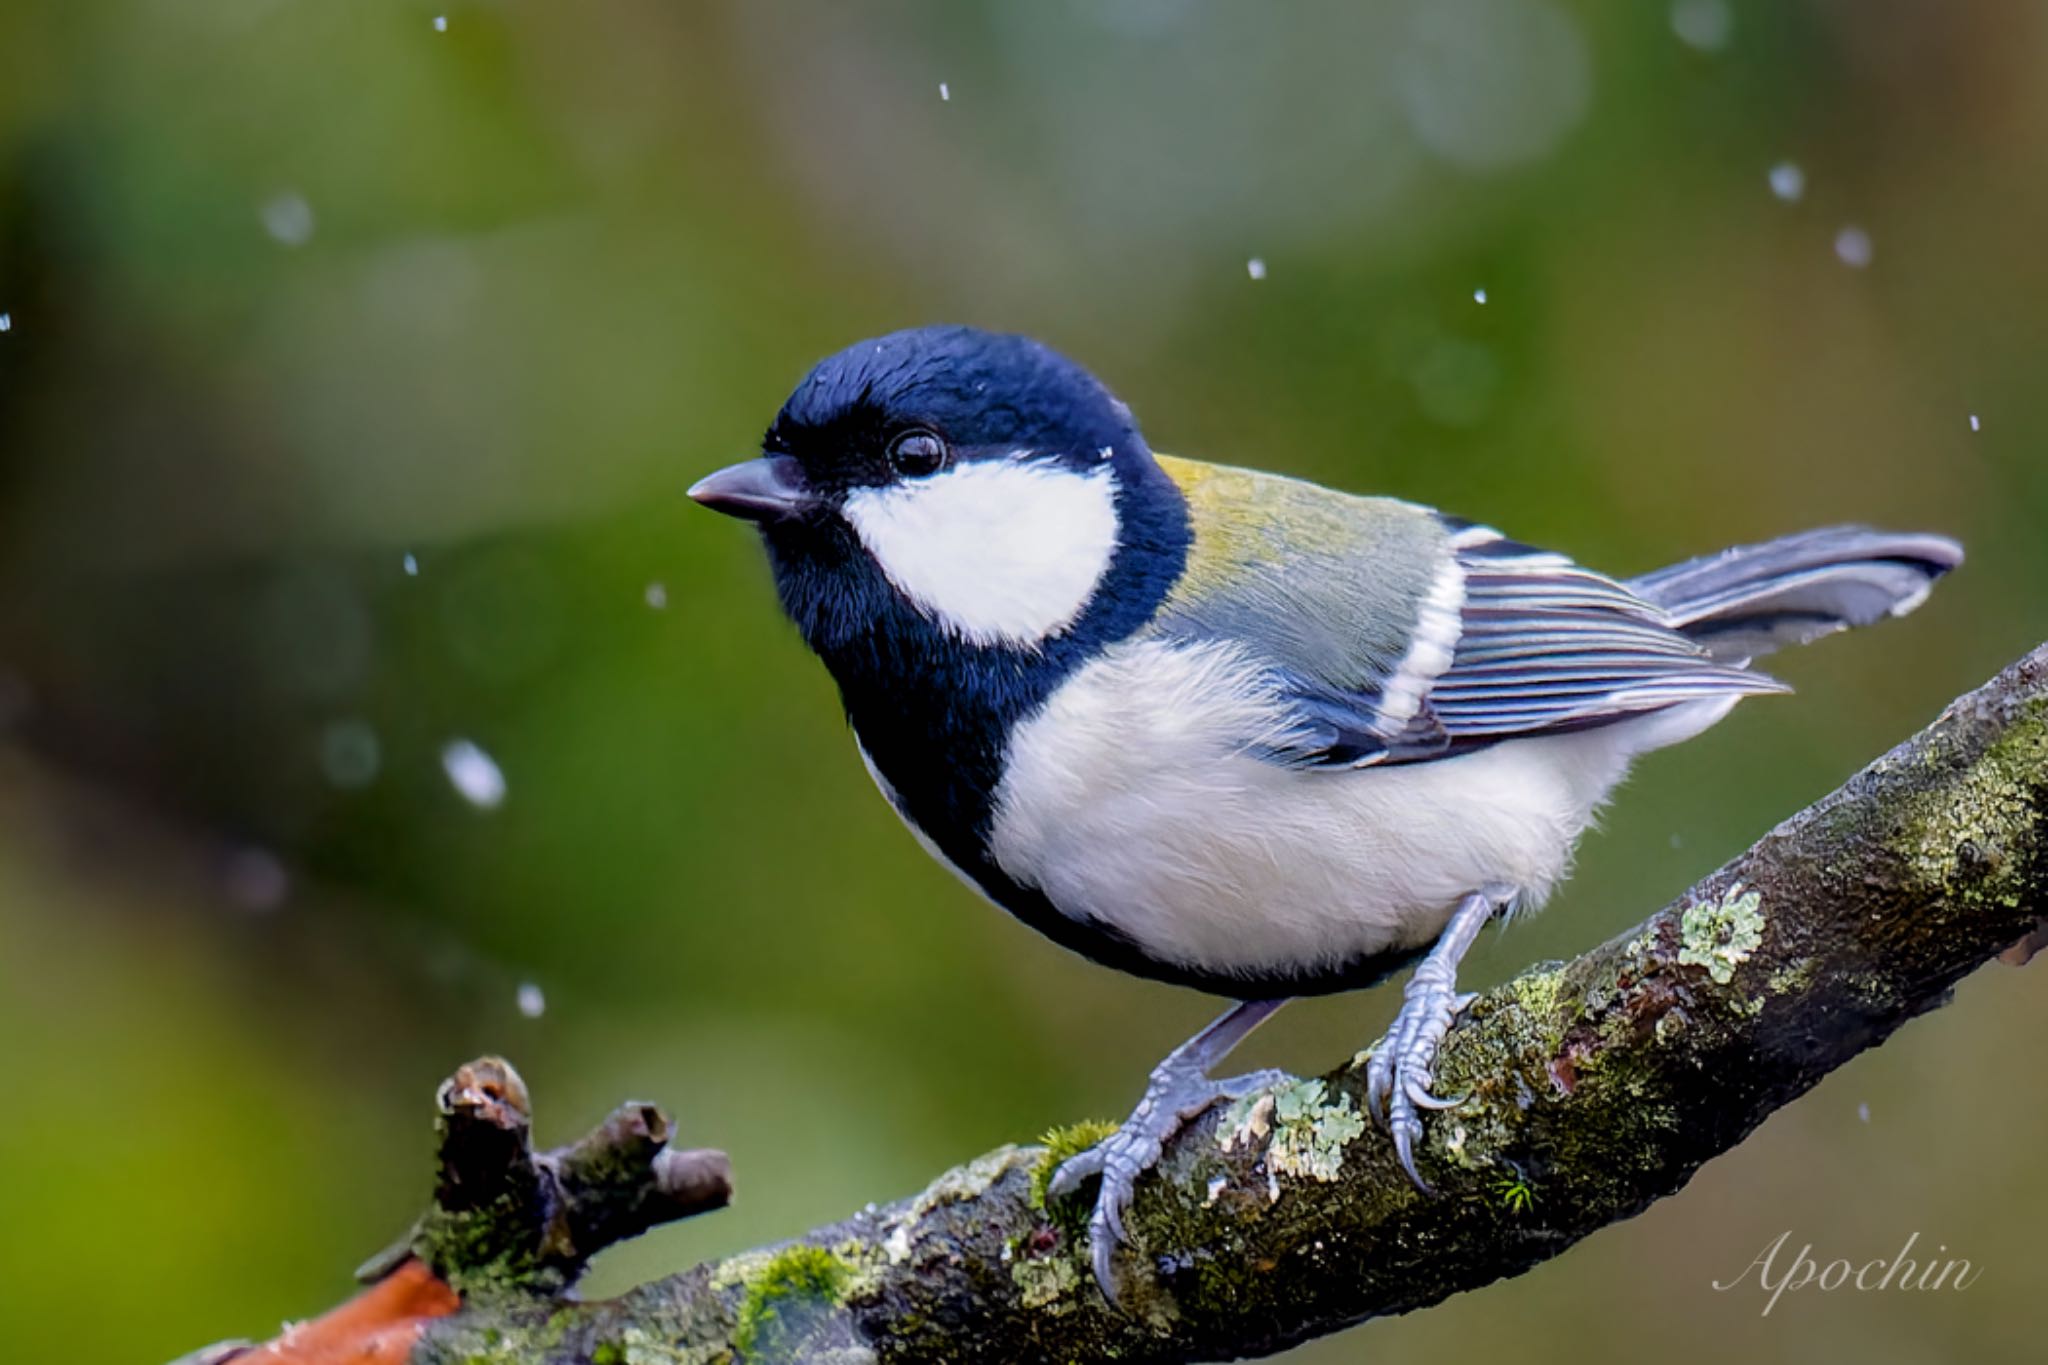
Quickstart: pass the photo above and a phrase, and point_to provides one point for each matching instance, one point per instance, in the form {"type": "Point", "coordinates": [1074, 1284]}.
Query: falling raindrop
{"type": "Point", "coordinates": [6, 322]}
{"type": "Point", "coordinates": [1852, 245]}
{"type": "Point", "coordinates": [256, 880]}
{"type": "Point", "coordinates": [944, 92]}
{"type": "Point", "coordinates": [440, 23]}
{"type": "Point", "coordinates": [1863, 1111]}
{"type": "Point", "coordinates": [288, 219]}
{"type": "Point", "coordinates": [1479, 296]}
{"type": "Point", "coordinates": [474, 774]}
{"type": "Point", "coordinates": [1256, 267]}
{"type": "Point", "coordinates": [657, 596]}
{"type": "Point", "coordinates": [1703, 25]}
{"type": "Point", "coordinates": [412, 566]}
{"type": "Point", "coordinates": [533, 1003]}
{"type": "Point", "coordinates": [1975, 425]}
{"type": "Point", "coordinates": [350, 754]}
{"type": "Point", "coordinates": [1788, 181]}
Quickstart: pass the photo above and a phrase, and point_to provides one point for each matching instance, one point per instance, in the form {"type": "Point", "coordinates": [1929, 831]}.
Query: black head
{"type": "Point", "coordinates": [860, 417]}
{"type": "Point", "coordinates": [910, 404]}
{"type": "Point", "coordinates": [981, 480]}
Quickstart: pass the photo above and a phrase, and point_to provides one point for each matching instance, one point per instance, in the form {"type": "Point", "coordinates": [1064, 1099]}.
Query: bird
{"type": "Point", "coordinates": [1225, 728]}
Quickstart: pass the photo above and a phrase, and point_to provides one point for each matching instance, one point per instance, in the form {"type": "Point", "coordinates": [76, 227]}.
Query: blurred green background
{"type": "Point", "coordinates": [354, 366]}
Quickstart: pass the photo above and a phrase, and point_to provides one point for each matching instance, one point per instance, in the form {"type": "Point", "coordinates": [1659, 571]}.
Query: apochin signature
{"type": "Point", "coordinates": [1893, 1272]}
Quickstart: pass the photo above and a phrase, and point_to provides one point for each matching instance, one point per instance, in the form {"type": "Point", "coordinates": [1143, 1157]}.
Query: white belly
{"type": "Point", "coordinates": [1133, 799]}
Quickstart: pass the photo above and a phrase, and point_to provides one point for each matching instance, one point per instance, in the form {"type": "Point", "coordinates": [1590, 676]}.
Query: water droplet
{"type": "Point", "coordinates": [288, 219]}
{"type": "Point", "coordinates": [1788, 181]}
{"type": "Point", "coordinates": [1677, 841]}
{"type": "Point", "coordinates": [256, 880]}
{"type": "Point", "coordinates": [1975, 425]}
{"type": "Point", "coordinates": [6, 322]}
{"type": "Point", "coordinates": [1256, 268]}
{"type": "Point", "coordinates": [1863, 1111]}
{"type": "Point", "coordinates": [1852, 245]}
{"type": "Point", "coordinates": [944, 93]}
{"type": "Point", "coordinates": [412, 566]}
{"type": "Point", "coordinates": [1703, 25]}
{"type": "Point", "coordinates": [350, 754]}
{"type": "Point", "coordinates": [474, 774]}
{"type": "Point", "coordinates": [440, 23]}
{"type": "Point", "coordinates": [657, 596]}
{"type": "Point", "coordinates": [1479, 296]}
{"type": "Point", "coordinates": [533, 1003]}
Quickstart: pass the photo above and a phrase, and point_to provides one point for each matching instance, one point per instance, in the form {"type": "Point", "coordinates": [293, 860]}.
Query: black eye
{"type": "Point", "coordinates": [917, 452]}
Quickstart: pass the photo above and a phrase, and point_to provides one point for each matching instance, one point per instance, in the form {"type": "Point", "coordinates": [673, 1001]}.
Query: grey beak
{"type": "Point", "coordinates": [767, 489]}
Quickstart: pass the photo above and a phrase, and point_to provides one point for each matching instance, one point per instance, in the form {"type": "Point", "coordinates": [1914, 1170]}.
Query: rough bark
{"type": "Point", "coordinates": [1594, 1087]}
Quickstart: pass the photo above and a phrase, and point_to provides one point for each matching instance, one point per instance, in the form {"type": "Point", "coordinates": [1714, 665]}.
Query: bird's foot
{"type": "Point", "coordinates": [1402, 1069]}
{"type": "Point", "coordinates": [1177, 1094]}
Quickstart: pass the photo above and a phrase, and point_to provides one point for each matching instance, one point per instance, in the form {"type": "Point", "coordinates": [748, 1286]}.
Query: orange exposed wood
{"type": "Point", "coordinates": [376, 1327]}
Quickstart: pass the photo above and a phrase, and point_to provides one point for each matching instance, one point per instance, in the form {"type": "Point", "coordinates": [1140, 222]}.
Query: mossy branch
{"type": "Point", "coordinates": [1594, 1087]}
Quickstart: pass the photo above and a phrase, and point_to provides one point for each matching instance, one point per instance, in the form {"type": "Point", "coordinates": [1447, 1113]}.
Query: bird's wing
{"type": "Point", "coordinates": [1399, 635]}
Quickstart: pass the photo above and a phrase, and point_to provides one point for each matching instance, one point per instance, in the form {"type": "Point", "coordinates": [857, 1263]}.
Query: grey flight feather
{"type": "Point", "coordinates": [1752, 599]}
{"type": "Point", "coordinates": [1546, 646]}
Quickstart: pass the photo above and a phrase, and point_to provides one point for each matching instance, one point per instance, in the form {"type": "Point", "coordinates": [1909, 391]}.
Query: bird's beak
{"type": "Point", "coordinates": [768, 489]}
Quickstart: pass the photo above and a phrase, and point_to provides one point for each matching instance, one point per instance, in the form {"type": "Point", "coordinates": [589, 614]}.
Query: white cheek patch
{"type": "Point", "coordinates": [994, 551]}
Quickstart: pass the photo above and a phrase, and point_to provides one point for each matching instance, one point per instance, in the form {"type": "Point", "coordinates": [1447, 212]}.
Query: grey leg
{"type": "Point", "coordinates": [1399, 1075]}
{"type": "Point", "coordinates": [1179, 1091]}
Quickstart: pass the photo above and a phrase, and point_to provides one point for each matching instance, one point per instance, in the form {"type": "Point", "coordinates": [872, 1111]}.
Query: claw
{"type": "Point", "coordinates": [1180, 1090]}
{"type": "Point", "coordinates": [1404, 1136]}
{"type": "Point", "coordinates": [1423, 1099]}
{"type": "Point", "coordinates": [1105, 1234]}
{"type": "Point", "coordinates": [1379, 1081]}
{"type": "Point", "coordinates": [1400, 1071]}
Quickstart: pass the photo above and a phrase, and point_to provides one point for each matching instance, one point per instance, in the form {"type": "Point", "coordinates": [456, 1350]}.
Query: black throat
{"type": "Point", "coordinates": [935, 712]}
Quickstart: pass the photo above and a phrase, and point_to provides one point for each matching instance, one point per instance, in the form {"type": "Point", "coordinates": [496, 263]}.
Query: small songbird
{"type": "Point", "coordinates": [1224, 728]}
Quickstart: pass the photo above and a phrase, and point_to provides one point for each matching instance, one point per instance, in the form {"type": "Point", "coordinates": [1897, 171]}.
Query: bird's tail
{"type": "Point", "coordinates": [1755, 598]}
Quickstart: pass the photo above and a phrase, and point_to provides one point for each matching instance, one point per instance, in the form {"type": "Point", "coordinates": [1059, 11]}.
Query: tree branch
{"type": "Point", "coordinates": [1594, 1087]}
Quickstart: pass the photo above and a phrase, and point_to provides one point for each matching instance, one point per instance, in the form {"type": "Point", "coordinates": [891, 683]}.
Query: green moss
{"type": "Point", "coordinates": [796, 1274]}
{"type": "Point", "coordinates": [484, 1251]}
{"type": "Point", "coordinates": [1538, 991]}
{"type": "Point", "coordinates": [1992, 801]}
{"type": "Point", "coordinates": [1516, 1194]}
{"type": "Point", "coordinates": [1060, 1143]}
{"type": "Point", "coordinates": [1721, 937]}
